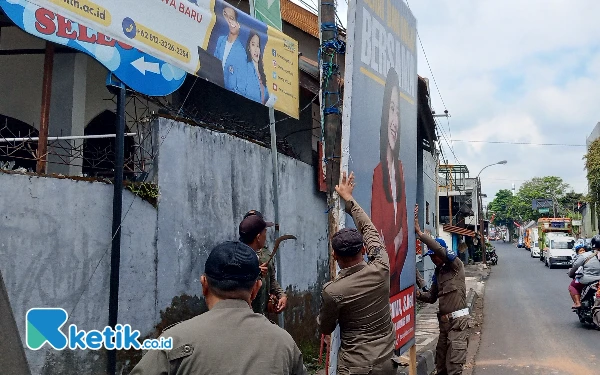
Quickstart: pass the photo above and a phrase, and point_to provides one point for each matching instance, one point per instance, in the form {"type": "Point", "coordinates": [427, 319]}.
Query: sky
{"type": "Point", "coordinates": [512, 71]}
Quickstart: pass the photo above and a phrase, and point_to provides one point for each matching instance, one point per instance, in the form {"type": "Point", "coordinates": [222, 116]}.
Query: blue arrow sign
{"type": "Point", "coordinates": [138, 70]}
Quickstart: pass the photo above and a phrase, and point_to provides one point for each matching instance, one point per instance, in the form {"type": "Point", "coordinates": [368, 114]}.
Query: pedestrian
{"type": "Point", "coordinates": [358, 298]}
{"type": "Point", "coordinates": [449, 287]}
{"type": "Point", "coordinates": [222, 340]}
{"type": "Point", "coordinates": [253, 232]}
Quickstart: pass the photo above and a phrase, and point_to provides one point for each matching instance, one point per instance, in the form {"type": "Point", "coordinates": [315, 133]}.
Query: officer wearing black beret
{"type": "Point", "coordinates": [358, 298]}
{"type": "Point", "coordinates": [220, 340]}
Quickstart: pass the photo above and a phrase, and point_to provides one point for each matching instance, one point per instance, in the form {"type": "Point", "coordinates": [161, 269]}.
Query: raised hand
{"type": "Point", "coordinates": [417, 226]}
{"type": "Point", "coordinates": [346, 186]}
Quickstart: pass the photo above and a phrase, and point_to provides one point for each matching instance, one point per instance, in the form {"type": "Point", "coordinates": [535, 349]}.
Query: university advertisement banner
{"type": "Point", "coordinates": [208, 38]}
{"type": "Point", "coordinates": [138, 70]}
{"type": "Point", "coordinates": [380, 114]}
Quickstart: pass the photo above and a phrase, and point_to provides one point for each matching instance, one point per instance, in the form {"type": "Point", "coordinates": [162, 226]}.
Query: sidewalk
{"type": "Point", "coordinates": [427, 330]}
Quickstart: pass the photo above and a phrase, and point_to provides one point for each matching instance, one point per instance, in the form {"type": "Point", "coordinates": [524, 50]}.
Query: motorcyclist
{"type": "Point", "coordinates": [585, 270]}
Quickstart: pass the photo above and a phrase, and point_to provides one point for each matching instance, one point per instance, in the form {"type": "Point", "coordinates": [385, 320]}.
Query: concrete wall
{"type": "Point", "coordinates": [430, 196]}
{"type": "Point", "coordinates": [205, 194]}
{"type": "Point", "coordinates": [588, 228]}
{"type": "Point", "coordinates": [55, 237]}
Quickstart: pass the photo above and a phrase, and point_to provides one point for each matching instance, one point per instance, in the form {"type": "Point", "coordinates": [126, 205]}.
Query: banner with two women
{"type": "Point", "coordinates": [380, 111]}
{"type": "Point", "coordinates": [208, 38]}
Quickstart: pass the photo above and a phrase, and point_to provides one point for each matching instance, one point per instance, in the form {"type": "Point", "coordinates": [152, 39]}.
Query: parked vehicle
{"type": "Point", "coordinates": [558, 250]}
{"type": "Point", "coordinates": [535, 250]}
{"type": "Point", "coordinates": [588, 297]}
{"type": "Point", "coordinates": [520, 243]}
{"type": "Point", "coordinates": [553, 226]}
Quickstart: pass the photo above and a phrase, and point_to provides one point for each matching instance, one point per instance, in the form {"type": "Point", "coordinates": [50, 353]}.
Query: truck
{"type": "Point", "coordinates": [556, 241]}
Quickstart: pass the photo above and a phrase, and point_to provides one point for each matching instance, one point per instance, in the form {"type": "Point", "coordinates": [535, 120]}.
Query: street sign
{"type": "Point", "coordinates": [541, 203]}
{"type": "Point", "coordinates": [543, 210]}
{"type": "Point", "coordinates": [138, 70]}
{"type": "Point", "coordinates": [576, 223]}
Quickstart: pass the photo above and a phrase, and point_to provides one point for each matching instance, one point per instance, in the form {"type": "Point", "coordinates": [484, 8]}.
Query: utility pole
{"type": "Point", "coordinates": [331, 115]}
{"type": "Point", "coordinates": [480, 209]}
{"type": "Point", "coordinates": [42, 151]}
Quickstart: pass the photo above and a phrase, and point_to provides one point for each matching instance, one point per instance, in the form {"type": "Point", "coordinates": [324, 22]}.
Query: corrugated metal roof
{"type": "Point", "coordinates": [458, 230]}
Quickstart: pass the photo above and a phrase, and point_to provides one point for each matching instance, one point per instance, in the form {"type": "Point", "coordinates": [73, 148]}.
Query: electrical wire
{"type": "Point", "coordinates": [519, 143]}
{"type": "Point", "coordinates": [428, 64]}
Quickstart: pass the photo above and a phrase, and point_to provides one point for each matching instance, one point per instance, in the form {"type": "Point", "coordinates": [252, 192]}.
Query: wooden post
{"type": "Point", "coordinates": [42, 150]}
{"type": "Point", "coordinates": [412, 366]}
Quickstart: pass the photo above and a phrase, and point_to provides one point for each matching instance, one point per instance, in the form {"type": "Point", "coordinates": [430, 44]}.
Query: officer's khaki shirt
{"type": "Point", "coordinates": [358, 299]}
{"type": "Point", "coordinates": [449, 286]}
{"type": "Point", "coordinates": [228, 339]}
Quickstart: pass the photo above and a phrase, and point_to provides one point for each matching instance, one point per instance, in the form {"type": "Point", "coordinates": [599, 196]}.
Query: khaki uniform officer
{"type": "Point", "coordinates": [449, 287]}
{"type": "Point", "coordinates": [220, 341]}
{"type": "Point", "coordinates": [253, 232]}
{"type": "Point", "coordinates": [358, 299]}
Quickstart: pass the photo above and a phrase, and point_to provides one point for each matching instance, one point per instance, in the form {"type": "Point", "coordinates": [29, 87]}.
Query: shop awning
{"type": "Point", "coordinates": [458, 230]}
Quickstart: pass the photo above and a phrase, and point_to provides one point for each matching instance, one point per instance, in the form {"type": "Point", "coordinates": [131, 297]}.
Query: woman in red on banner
{"type": "Point", "coordinates": [388, 199]}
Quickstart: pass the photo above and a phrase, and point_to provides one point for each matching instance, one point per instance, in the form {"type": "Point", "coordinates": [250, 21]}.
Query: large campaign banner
{"type": "Point", "coordinates": [380, 113]}
{"type": "Point", "coordinates": [208, 38]}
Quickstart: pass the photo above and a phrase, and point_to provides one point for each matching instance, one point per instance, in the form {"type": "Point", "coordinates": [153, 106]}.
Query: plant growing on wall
{"type": "Point", "coordinates": [592, 167]}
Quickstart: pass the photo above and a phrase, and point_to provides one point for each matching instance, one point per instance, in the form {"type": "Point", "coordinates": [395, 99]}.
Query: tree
{"type": "Point", "coordinates": [592, 167]}
{"type": "Point", "coordinates": [503, 207]}
{"type": "Point", "coordinates": [549, 187]}
{"type": "Point", "coordinates": [509, 208]}
{"type": "Point", "coordinates": [569, 204]}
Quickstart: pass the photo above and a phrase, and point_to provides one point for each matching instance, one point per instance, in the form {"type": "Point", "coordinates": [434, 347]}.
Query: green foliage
{"type": "Point", "coordinates": [503, 207]}
{"type": "Point", "coordinates": [145, 190]}
{"type": "Point", "coordinates": [592, 166]}
{"type": "Point", "coordinates": [509, 208]}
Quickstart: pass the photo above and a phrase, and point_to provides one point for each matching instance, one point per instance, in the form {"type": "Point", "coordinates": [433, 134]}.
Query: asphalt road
{"type": "Point", "coordinates": [528, 324]}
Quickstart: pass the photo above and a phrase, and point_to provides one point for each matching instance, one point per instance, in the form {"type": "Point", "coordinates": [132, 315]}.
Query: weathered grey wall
{"type": "Point", "coordinates": [207, 182]}
{"type": "Point", "coordinates": [53, 235]}
{"type": "Point", "coordinates": [55, 232]}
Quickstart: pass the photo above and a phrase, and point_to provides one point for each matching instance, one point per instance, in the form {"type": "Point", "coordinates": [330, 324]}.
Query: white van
{"type": "Point", "coordinates": [558, 250]}
{"type": "Point", "coordinates": [535, 249]}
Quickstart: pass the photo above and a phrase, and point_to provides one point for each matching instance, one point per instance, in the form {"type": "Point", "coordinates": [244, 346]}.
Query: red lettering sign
{"type": "Point", "coordinates": [403, 316]}
{"type": "Point", "coordinates": [48, 23]}
{"type": "Point", "coordinates": [44, 21]}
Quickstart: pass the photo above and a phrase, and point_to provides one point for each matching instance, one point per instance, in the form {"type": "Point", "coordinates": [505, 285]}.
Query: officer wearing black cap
{"type": "Point", "coordinates": [253, 232]}
{"type": "Point", "coordinates": [220, 340]}
{"type": "Point", "coordinates": [358, 298]}
{"type": "Point", "coordinates": [449, 287]}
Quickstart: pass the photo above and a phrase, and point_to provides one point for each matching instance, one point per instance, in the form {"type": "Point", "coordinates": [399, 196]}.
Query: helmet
{"type": "Point", "coordinates": [578, 246]}
{"type": "Point", "coordinates": [587, 247]}
{"type": "Point", "coordinates": [450, 254]}
{"type": "Point", "coordinates": [596, 242]}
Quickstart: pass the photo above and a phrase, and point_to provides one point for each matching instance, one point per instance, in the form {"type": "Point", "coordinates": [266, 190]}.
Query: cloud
{"type": "Point", "coordinates": [514, 71]}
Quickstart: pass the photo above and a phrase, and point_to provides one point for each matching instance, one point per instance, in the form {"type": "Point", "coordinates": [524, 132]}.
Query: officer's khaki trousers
{"type": "Point", "coordinates": [387, 367]}
{"type": "Point", "coordinates": [451, 350]}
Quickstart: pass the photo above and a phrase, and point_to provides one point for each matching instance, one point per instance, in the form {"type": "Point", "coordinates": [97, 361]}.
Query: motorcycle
{"type": "Point", "coordinates": [491, 256]}
{"type": "Point", "coordinates": [585, 312]}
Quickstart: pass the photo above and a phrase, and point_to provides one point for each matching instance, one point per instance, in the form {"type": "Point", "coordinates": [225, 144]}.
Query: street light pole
{"type": "Point", "coordinates": [480, 203]}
